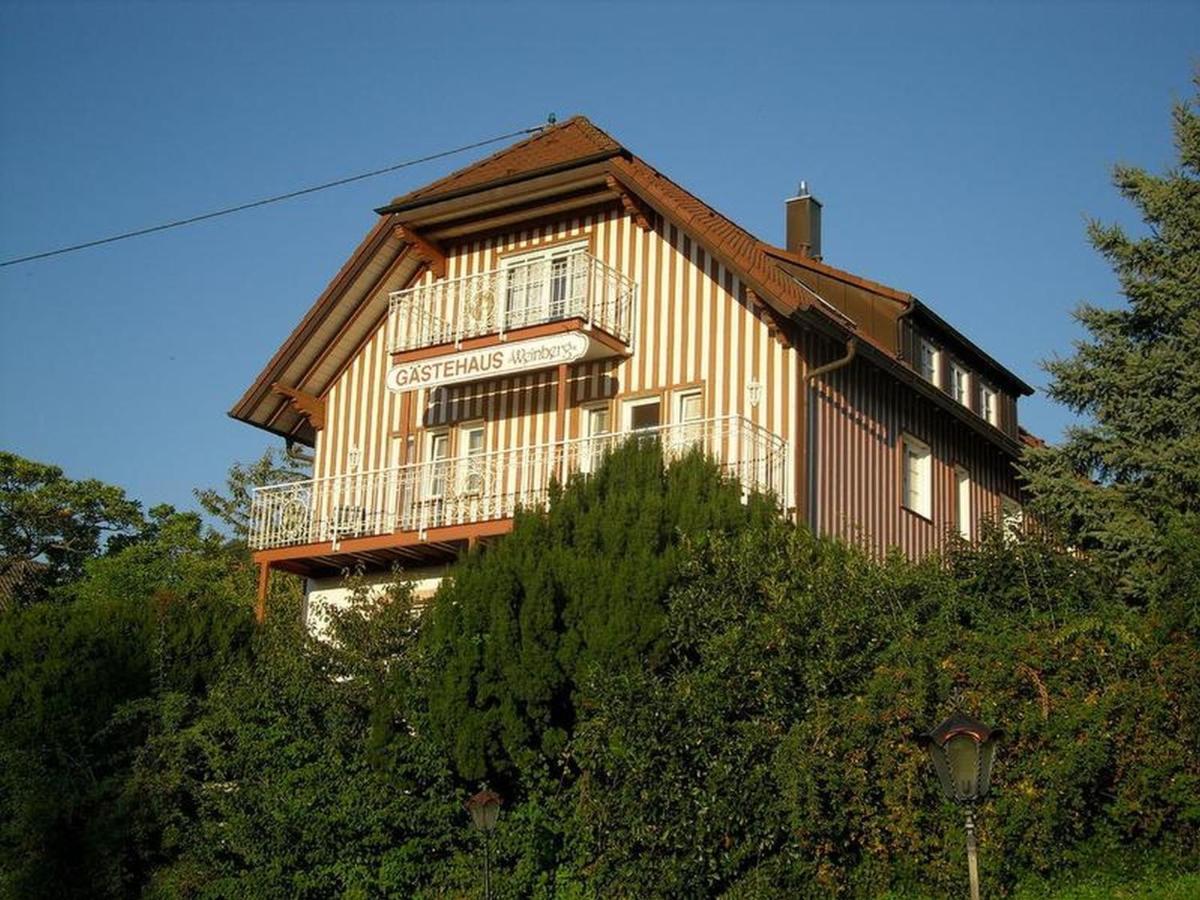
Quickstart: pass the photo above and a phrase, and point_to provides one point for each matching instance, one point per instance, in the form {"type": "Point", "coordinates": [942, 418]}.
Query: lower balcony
{"type": "Point", "coordinates": [409, 511]}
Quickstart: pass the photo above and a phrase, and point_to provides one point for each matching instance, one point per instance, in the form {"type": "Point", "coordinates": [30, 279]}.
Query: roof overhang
{"type": "Point", "coordinates": [988, 363]}
{"type": "Point", "coordinates": [470, 193]}
{"type": "Point", "coordinates": [344, 315]}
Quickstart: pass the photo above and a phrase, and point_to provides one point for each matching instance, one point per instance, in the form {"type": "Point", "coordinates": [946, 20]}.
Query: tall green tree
{"type": "Point", "coordinates": [230, 504]}
{"type": "Point", "coordinates": [574, 589]}
{"type": "Point", "coordinates": [50, 525]}
{"type": "Point", "coordinates": [1131, 473]}
{"type": "Point", "coordinates": [84, 681]}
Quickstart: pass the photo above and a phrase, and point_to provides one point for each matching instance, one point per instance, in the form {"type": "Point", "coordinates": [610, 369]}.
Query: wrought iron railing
{"type": "Point", "coordinates": [490, 486]}
{"type": "Point", "coordinates": [552, 288]}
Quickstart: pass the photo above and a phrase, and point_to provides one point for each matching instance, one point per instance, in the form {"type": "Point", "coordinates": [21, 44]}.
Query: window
{"type": "Point", "coordinates": [471, 458]}
{"type": "Point", "coordinates": [544, 285]}
{"type": "Point", "coordinates": [437, 451]}
{"type": "Point", "coordinates": [641, 415]}
{"type": "Point", "coordinates": [987, 404]}
{"type": "Point", "coordinates": [962, 502]}
{"type": "Point", "coordinates": [960, 384]}
{"type": "Point", "coordinates": [1012, 518]}
{"type": "Point", "coordinates": [597, 426]}
{"type": "Point", "coordinates": [927, 361]}
{"type": "Point", "coordinates": [689, 411]}
{"type": "Point", "coordinates": [917, 486]}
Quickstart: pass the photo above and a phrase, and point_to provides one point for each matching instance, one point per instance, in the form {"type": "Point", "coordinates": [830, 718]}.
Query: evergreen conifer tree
{"type": "Point", "coordinates": [1120, 483]}
{"type": "Point", "coordinates": [578, 588]}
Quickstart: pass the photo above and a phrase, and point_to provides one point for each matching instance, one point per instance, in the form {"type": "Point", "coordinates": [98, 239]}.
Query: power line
{"type": "Point", "coordinates": [267, 200]}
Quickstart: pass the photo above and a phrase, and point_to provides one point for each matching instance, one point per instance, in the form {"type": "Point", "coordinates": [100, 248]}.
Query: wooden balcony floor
{"type": "Point", "coordinates": [374, 552]}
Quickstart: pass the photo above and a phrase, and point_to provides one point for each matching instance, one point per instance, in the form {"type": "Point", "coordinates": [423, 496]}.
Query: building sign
{"type": "Point", "coordinates": [490, 362]}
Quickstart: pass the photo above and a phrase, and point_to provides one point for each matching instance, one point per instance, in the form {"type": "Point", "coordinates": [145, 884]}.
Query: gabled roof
{"type": "Point", "coordinates": [573, 142]}
{"type": "Point", "coordinates": [578, 148]}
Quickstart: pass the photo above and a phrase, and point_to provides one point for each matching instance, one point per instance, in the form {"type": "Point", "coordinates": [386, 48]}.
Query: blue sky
{"type": "Point", "coordinates": [958, 149]}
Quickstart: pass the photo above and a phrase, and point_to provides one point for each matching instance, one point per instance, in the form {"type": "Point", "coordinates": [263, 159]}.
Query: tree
{"type": "Point", "coordinates": [84, 681]}
{"type": "Point", "coordinates": [1116, 484]}
{"type": "Point", "coordinates": [50, 525]}
{"type": "Point", "coordinates": [769, 751]}
{"type": "Point", "coordinates": [308, 770]}
{"type": "Point", "coordinates": [231, 505]}
{"type": "Point", "coordinates": [572, 590]}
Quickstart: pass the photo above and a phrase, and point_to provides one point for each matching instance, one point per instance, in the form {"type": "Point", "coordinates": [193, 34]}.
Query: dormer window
{"type": "Point", "coordinates": [960, 384]}
{"type": "Point", "coordinates": [927, 361]}
{"type": "Point", "coordinates": [987, 404]}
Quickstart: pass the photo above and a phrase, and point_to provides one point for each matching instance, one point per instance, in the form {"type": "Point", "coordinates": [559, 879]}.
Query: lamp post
{"type": "Point", "coordinates": [962, 751]}
{"type": "Point", "coordinates": [484, 808]}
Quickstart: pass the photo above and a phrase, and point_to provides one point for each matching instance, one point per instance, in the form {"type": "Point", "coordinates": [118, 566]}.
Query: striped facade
{"type": "Point", "coordinates": [859, 419]}
{"type": "Point", "coordinates": [827, 376]}
{"type": "Point", "coordinates": [691, 330]}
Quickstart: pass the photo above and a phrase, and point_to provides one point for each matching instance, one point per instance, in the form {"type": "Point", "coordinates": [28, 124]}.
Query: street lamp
{"type": "Point", "coordinates": [962, 751]}
{"type": "Point", "coordinates": [484, 808]}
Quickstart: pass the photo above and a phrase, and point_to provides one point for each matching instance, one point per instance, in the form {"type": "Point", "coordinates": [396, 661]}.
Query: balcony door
{"type": "Point", "coordinates": [471, 474]}
{"type": "Point", "coordinates": [688, 420]}
{"type": "Point", "coordinates": [597, 436]}
{"type": "Point", "coordinates": [543, 286]}
{"type": "Point", "coordinates": [437, 456]}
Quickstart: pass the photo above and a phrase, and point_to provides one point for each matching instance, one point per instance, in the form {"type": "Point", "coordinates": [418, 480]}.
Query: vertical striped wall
{"type": "Point", "coordinates": [858, 417]}
{"type": "Point", "coordinates": [693, 328]}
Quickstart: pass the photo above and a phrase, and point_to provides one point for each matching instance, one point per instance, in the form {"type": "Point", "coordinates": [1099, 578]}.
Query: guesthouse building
{"type": "Point", "coordinates": [499, 329]}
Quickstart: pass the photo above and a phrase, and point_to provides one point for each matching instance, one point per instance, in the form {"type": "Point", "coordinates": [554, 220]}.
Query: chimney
{"type": "Point", "coordinates": [804, 224]}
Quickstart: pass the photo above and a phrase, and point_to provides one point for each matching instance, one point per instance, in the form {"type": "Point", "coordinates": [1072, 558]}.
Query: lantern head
{"type": "Point", "coordinates": [484, 808]}
{"type": "Point", "coordinates": [962, 750]}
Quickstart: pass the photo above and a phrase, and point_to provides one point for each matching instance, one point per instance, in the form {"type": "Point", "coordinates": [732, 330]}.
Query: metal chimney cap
{"type": "Point", "coordinates": [803, 190]}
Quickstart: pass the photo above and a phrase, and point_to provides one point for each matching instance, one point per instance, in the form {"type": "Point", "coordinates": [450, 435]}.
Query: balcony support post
{"type": "Point", "coordinates": [260, 603]}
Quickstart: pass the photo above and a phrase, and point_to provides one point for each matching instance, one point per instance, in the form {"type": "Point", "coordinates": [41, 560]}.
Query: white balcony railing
{"type": "Point", "coordinates": [548, 289]}
{"type": "Point", "coordinates": [489, 486]}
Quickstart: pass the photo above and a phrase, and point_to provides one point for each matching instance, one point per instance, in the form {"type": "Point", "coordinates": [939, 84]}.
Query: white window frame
{"type": "Point", "coordinates": [989, 404]}
{"type": "Point", "coordinates": [470, 480]}
{"type": "Point", "coordinates": [628, 407]}
{"type": "Point", "coordinates": [539, 310]}
{"type": "Point", "coordinates": [957, 369]}
{"type": "Point", "coordinates": [922, 504]}
{"type": "Point", "coordinates": [433, 485]}
{"type": "Point", "coordinates": [593, 443]}
{"type": "Point", "coordinates": [962, 502]}
{"type": "Point", "coordinates": [927, 348]}
{"type": "Point", "coordinates": [686, 431]}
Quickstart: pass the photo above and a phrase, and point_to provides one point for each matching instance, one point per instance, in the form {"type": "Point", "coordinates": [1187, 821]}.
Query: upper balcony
{"type": "Point", "coordinates": [439, 501]}
{"type": "Point", "coordinates": [570, 287]}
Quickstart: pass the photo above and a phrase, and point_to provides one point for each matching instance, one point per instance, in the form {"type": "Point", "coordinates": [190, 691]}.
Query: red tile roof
{"type": "Point", "coordinates": [569, 141]}
{"type": "Point", "coordinates": [577, 141]}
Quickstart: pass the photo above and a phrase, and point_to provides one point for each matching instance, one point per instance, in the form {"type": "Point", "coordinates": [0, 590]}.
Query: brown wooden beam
{"type": "Point", "coordinates": [635, 207]}
{"type": "Point", "coordinates": [312, 408]}
{"type": "Point", "coordinates": [776, 327]}
{"type": "Point", "coordinates": [596, 197]}
{"type": "Point", "coordinates": [264, 581]}
{"type": "Point", "coordinates": [424, 249]}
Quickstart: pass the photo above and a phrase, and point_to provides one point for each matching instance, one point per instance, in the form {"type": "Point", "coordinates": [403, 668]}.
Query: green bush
{"type": "Point", "coordinates": [770, 750]}
{"type": "Point", "coordinates": [577, 587]}
{"type": "Point", "coordinates": [677, 693]}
